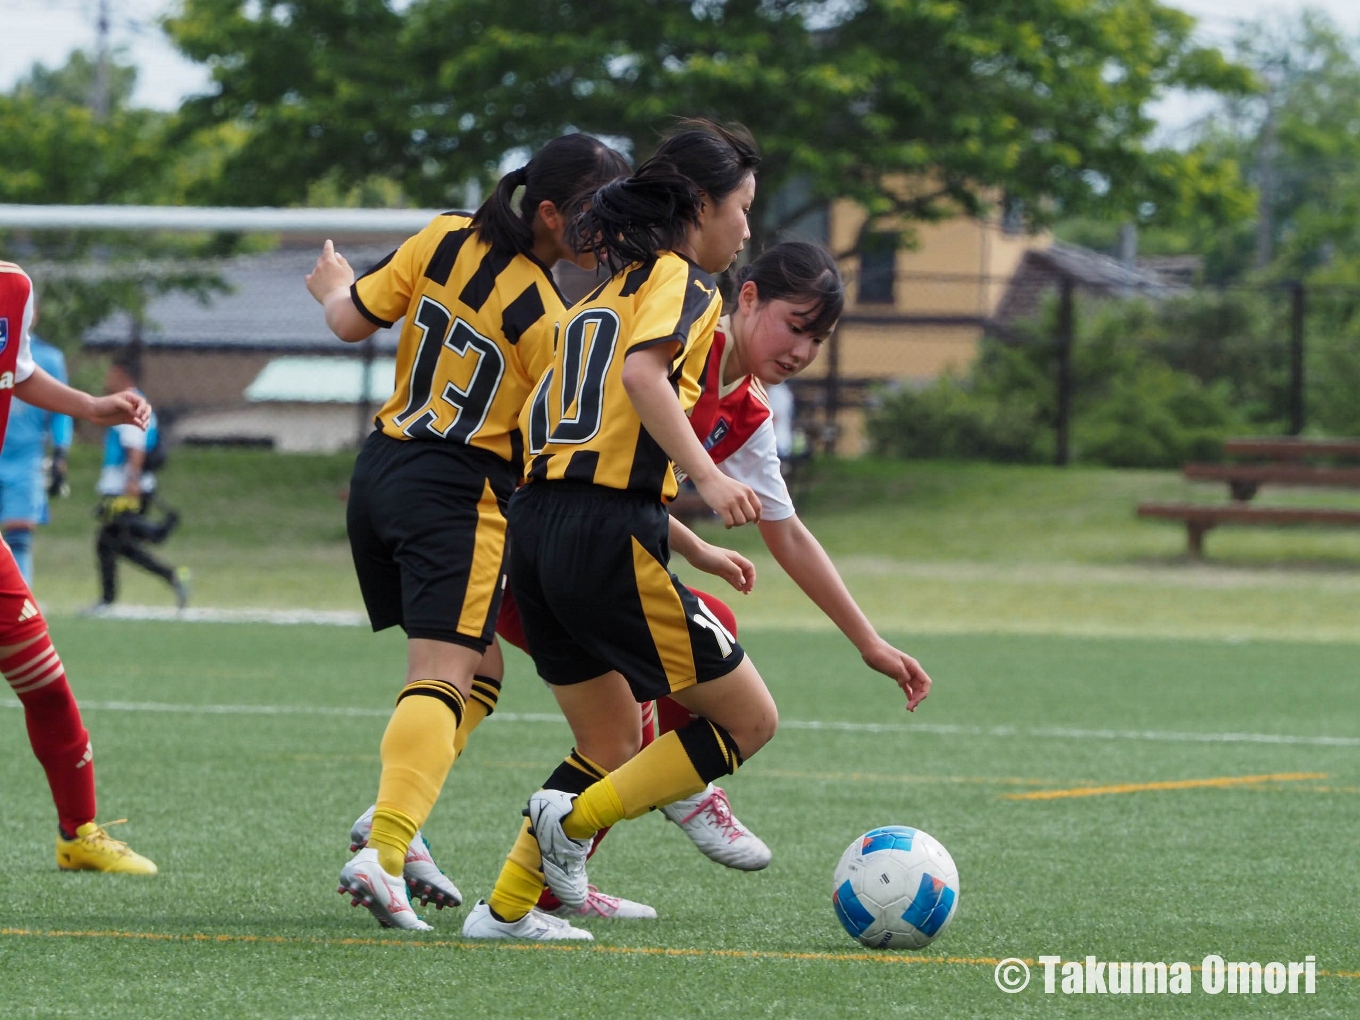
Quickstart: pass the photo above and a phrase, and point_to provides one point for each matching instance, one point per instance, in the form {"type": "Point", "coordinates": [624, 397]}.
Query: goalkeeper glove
{"type": "Point", "coordinates": [57, 485]}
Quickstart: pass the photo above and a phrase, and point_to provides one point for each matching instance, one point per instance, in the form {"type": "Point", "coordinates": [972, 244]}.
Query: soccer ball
{"type": "Point", "coordinates": [895, 887]}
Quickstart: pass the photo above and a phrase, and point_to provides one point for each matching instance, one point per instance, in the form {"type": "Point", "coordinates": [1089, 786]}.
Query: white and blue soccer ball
{"type": "Point", "coordinates": [895, 887]}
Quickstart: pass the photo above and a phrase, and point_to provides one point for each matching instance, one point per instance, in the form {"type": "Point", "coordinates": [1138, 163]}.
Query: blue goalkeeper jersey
{"type": "Point", "coordinates": [117, 442]}
{"type": "Point", "coordinates": [29, 426]}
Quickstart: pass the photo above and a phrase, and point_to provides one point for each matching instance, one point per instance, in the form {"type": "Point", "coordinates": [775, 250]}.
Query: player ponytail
{"type": "Point", "coordinates": [632, 219]}
{"type": "Point", "coordinates": [801, 273]}
{"type": "Point", "coordinates": [563, 172]}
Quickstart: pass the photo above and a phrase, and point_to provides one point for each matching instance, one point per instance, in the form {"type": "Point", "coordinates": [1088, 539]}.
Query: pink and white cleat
{"type": "Point", "coordinates": [368, 885]}
{"type": "Point", "coordinates": [599, 904]}
{"type": "Point", "coordinates": [425, 879]}
{"type": "Point", "coordinates": [707, 819]}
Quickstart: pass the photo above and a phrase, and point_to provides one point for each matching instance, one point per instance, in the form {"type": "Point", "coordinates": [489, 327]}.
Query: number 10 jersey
{"type": "Point", "coordinates": [580, 423]}
{"type": "Point", "coordinates": [477, 336]}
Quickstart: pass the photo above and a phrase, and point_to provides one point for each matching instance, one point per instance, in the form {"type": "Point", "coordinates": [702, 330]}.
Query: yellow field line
{"type": "Point", "coordinates": [1175, 784]}
{"type": "Point", "coordinates": [737, 954]}
{"type": "Point", "coordinates": [741, 954]}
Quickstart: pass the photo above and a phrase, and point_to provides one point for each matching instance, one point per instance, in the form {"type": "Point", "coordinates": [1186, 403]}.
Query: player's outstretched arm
{"type": "Point", "coordinates": [797, 550]}
{"type": "Point", "coordinates": [329, 283]}
{"type": "Point", "coordinates": [731, 566]}
{"type": "Point", "coordinates": [125, 408]}
{"type": "Point", "coordinates": [646, 378]}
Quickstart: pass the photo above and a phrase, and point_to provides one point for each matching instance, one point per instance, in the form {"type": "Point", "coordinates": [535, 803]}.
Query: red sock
{"type": "Point", "coordinates": [59, 739]}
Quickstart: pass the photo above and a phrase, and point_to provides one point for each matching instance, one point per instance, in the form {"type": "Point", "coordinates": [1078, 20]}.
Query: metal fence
{"type": "Point", "coordinates": [243, 356]}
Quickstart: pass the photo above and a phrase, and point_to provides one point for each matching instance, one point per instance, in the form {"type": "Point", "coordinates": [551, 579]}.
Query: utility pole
{"type": "Point", "coordinates": [99, 92]}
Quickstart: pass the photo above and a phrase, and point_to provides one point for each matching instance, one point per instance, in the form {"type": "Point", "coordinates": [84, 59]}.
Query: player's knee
{"type": "Point", "coordinates": [610, 749]}
{"type": "Point", "coordinates": [760, 730]}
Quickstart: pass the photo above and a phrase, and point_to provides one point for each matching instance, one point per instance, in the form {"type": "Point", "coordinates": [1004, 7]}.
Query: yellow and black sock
{"type": "Point", "coordinates": [675, 765]}
{"type": "Point", "coordinates": [417, 753]}
{"type": "Point", "coordinates": [521, 879]}
{"type": "Point", "coordinates": [486, 691]}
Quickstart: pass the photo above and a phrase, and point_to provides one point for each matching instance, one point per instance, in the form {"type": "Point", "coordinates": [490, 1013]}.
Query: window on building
{"type": "Point", "coordinates": [877, 268]}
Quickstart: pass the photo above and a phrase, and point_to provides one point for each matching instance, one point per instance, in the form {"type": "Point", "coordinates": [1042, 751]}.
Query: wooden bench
{"type": "Point", "coordinates": [1244, 479]}
{"type": "Point", "coordinates": [1200, 517]}
{"type": "Point", "coordinates": [1286, 448]}
{"type": "Point", "coordinates": [1290, 467]}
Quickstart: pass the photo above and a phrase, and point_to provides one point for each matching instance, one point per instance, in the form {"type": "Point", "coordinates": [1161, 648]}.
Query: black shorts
{"type": "Point", "coordinates": [427, 530]}
{"type": "Point", "coordinates": [588, 566]}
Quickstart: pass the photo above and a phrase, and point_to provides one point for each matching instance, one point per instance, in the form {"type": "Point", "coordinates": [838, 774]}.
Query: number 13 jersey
{"type": "Point", "coordinates": [580, 423]}
{"type": "Point", "coordinates": [477, 336]}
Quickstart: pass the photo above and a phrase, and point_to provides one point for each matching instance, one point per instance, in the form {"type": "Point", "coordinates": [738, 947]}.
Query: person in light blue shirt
{"type": "Point", "coordinates": [127, 490]}
{"type": "Point", "coordinates": [24, 486]}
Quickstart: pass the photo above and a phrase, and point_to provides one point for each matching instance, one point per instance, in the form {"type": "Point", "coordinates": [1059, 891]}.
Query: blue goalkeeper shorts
{"type": "Point", "coordinates": [23, 496]}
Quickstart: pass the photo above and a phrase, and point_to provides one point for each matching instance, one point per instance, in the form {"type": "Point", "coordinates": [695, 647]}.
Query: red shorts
{"type": "Point", "coordinates": [509, 627]}
{"type": "Point", "coordinates": [20, 620]}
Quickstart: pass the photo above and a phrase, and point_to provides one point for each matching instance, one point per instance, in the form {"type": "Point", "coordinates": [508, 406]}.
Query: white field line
{"type": "Point", "coordinates": [932, 729]}
{"type": "Point", "coordinates": [284, 617]}
{"type": "Point", "coordinates": [767, 618]}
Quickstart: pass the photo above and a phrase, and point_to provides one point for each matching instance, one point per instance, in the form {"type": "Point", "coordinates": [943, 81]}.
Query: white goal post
{"type": "Point", "coordinates": [189, 218]}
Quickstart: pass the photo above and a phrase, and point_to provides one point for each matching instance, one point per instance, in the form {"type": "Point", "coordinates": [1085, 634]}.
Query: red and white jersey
{"type": "Point", "coordinates": [735, 425]}
{"type": "Point", "coordinates": [16, 315]}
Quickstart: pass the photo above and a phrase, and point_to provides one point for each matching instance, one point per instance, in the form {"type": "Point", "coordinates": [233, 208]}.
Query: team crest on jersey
{"type": "Point", "coordinates": [719, 431]}
{"type": "Point", "coordinates": [4, 333]}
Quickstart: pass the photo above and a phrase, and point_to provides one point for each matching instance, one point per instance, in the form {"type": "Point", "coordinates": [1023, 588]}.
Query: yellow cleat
{"type": "Point", "coordinates": [93, 849]}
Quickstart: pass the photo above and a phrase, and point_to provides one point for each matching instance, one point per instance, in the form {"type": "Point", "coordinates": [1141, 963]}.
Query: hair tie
{"type": "Point", "coordinates": [520, 177]}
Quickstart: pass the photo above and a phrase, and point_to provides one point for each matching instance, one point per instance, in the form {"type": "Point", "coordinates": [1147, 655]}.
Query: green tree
{"type": "Point", "coordinates": [918, 110]}
{"type": "Point", "coordinates": [57, 151]}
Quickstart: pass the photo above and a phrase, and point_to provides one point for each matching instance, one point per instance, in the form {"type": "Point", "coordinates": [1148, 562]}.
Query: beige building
{"type": "Point", "coordinates": [914, 309]}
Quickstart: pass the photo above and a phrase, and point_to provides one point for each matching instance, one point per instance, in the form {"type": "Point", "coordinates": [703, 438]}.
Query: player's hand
{"type": "Point", "coordinates": [332, 273]}
{"type": "Point", "coordinates": [731, 566]}
{"type": "Point", "coordinates": [126, 408]}
{"type": "Point", "coordinates": [734, 502]}
{"type": "Point", "coordinates": [905, 670]}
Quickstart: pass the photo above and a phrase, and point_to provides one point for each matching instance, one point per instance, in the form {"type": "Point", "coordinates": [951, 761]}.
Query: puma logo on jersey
{"type": "Point", "coordinates": [29, 610]}
{"type": "Point", "coordinates": [707, 290]}
{"type": "Point", "coordinates": [6, 380]}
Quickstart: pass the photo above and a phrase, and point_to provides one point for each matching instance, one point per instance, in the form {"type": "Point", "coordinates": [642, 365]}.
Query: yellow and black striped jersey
{"type": "Point", "coordinates": [580, 423]}
{"type": "Point", "coordinates": [477, 336]}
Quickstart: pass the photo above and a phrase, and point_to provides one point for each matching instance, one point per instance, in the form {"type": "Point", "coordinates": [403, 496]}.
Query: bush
{"type": "Point", "coordinates": [1157, 417]}
{"type": "Point", "coordinates": [947, 420]}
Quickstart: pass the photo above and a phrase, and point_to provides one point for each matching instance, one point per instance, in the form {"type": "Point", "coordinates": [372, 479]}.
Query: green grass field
{"type": "Point", "coordinates": [1073, 649]}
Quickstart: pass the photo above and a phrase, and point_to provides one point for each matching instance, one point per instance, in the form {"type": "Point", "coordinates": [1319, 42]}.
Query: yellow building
{"type": "Point", "coordinates": [913, 311]}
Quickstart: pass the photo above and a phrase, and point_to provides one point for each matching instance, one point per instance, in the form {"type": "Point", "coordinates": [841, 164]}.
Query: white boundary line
{"type": "Point", "coordinates": [284, 617]}
{"type": "Point", "coordinates": [932, 729]}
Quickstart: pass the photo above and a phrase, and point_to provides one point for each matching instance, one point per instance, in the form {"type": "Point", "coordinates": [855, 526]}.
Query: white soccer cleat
{"type": "Point", "coordinates": [535, 925]}
{"type": "Point", "coordinates": [564, 858]}
{"type": "Point", "coordinates": [599, 904]}
{"type": "Point", "coordinates": [425, 880]}
{"type": "Point", "coordinates": [707, 819]}
{"type": "Point", "coordinates": [384, 895]}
